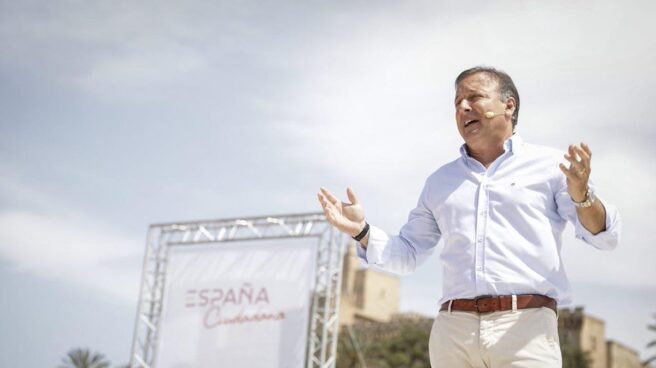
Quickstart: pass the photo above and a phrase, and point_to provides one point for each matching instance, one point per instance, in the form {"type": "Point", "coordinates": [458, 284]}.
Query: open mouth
{"type": "Point", "coordinates": [470, 122]}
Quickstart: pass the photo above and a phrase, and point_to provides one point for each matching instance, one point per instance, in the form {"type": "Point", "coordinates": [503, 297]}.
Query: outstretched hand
{"type": "Point", "coordinates": [346, 217]}
{"type": "Point", "coordinates": [578, 172]}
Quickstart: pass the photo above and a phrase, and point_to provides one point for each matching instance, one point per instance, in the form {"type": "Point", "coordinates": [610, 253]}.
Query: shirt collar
{"type": "Point", "coordinates": [514, 144]}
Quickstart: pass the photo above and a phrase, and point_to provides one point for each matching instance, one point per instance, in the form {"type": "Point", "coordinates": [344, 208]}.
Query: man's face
{"type": "Point", "coordinates": [476, 95]}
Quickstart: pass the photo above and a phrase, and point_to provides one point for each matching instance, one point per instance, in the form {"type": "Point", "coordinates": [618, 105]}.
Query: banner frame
{"type": "Point", "coordinates": [323, 323]}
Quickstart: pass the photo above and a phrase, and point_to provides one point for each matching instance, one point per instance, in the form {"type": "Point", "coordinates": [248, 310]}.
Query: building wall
{"type": "Point", "coordinates": [620, 356]}
{"type": "Point", "coordinates": [569, 328]}
{"type": "Point", "coordinates": [583, 331]}
{"type": "Point", "coordinates": [377, 295]}
{"type": "Point", "coordinates": [347, 306]}
{"type": "Point", "coordinates": [593, 340]}
{"type": "Point", "coordinates": [367, 295]}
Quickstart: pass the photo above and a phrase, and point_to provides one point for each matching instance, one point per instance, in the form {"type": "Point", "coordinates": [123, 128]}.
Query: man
{"type": "Point", "coordinates": [500, 210]}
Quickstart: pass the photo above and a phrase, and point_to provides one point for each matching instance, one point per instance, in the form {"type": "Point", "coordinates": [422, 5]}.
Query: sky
{"type": "Point", "coordinates": [118, 114]}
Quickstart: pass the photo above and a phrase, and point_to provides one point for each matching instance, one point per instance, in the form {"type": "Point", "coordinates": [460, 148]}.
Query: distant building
{"type": "Point", "coordinates": [588, 333]}
{"type": "Point", "coordinates": [585, 332]}
{"type": "Point", "coordinates": [367, 294]}
{"type": "Point", "coordinates": [621, 356]}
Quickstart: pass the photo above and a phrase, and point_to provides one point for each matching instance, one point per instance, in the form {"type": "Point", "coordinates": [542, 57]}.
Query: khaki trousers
{"type": "Point", "coordinates": [526, 338]}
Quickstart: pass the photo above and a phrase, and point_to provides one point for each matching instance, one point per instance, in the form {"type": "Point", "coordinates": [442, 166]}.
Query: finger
{"type": "Point", "coordinates": [585, 159]}
{"type": "Point", "coordinates": [329, 196]}
{"type": "Point", "coordinates": [324, 203]}
{"type": "Point", "coordinates": [329, 205]}
{"type": "Point", "coordinates": [322, 200]}
{"type": "Point", "coordinates": [573, 151]}
{"type": "Point", "coordinates": [587, 150]}
{"type": "Point", "coordinates": [575, 164]}
{"type": "Point", "coordinates": [328, 209]}
{"type": "Point", "coordinates": [570, 175]}
{"type": "Point", "coordinates": [329, 215]}
{"type": "Point", "coordinates": [351, 195]}
{"type": "Point", "coordinates": [571, 156]}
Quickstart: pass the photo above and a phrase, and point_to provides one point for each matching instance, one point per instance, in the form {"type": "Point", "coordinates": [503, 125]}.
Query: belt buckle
{"type": "Point", "coordinates": [477, 299]}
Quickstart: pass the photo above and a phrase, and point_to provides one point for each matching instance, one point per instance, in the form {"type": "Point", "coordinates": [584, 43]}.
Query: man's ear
{"type": "Point", "coordinates": [510, 106]}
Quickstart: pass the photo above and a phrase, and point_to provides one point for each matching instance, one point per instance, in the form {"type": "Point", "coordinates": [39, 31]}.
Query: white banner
{"type": "Point", "coordinates": [240, 305]}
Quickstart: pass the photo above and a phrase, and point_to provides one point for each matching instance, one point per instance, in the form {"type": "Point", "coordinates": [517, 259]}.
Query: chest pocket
{"type": "Point", "coordinates": [529, 197]}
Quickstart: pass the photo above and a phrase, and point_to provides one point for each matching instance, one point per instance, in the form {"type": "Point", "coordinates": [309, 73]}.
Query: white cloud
{"type": "Point", "coordinates": [142, 71]}
{"type": "Point", "coordinates": [55, 242]}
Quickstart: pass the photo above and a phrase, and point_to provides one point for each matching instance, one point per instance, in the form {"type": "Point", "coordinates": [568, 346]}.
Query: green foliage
{"type": "Point", "coordinates": [347, 351]}
{"type": "Point", "coordinates": [575, 358]}
{"type": "Point", "coordinates": [83, 358]}
{"type": "Point", "coordinates": [407, 349]}
{"type": "Point", "coordinates": [403, 345]}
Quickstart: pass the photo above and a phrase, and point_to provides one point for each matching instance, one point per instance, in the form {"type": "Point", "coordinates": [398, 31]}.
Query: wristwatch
{"type": "Point", "coordinates": [589, 199]}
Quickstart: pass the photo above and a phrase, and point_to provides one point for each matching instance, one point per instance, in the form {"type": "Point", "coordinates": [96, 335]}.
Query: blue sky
{"type": "Point", "coordinates": [115, 115]}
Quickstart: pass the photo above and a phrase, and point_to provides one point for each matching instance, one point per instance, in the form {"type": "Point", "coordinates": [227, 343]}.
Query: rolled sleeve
{"type": "Point", "coordinates": [607, 239]}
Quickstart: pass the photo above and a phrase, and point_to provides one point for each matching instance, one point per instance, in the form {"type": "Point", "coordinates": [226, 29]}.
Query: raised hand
{"type": "Point", "coordinates": [578, 172]}
{"type": "Point", "coordinates": [346, 217]}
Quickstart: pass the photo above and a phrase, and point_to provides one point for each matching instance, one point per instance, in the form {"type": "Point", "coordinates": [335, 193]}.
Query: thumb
{"type": "Point", "coordinates": [351, 195]}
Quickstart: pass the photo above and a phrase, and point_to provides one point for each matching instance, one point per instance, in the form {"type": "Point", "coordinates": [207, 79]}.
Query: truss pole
{"type": "Point", "coordinates": [136, 341]}
{"type": "Point", "coordinates": [336, 283]}
{"type": "Point", "coordinates": [324, 324]}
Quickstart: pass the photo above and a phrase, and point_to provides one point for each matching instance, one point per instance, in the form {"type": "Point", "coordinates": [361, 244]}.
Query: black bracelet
{"type": "Point", "coordinates": [363, 233]}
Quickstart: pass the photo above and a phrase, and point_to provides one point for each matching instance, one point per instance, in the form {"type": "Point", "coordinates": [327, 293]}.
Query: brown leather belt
{"type": "Point", "coordinates": [489, 303]}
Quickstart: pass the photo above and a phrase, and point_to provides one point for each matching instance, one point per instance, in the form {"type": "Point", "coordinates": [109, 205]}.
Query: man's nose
{"type": "Point", "coordinates": [464, 106]}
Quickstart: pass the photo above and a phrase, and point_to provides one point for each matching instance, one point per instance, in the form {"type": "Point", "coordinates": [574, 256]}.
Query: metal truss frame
{"type": "Point", "coordinates": [324, 324]}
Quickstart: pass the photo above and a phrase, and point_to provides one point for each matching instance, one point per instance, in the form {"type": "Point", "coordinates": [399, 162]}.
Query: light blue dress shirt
{"type": "Point", "coordinates": [501, 227]}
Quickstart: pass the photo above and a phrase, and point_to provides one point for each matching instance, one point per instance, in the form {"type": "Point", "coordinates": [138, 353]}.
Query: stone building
{"type": "Point", "coordinates": [585, 332]}
{"type": "Point", "coordinates": [367, 294]}
{"type": "Point", "coordinates": [621, 356]}
{"type": "Point", "coordinates": [588, 333]}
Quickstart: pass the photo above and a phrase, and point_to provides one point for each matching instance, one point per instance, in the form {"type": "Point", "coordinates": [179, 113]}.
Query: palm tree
{"type": "Point", "coordinates": [83, 358]}
{"type": "Point", "coordinates": [652, 343]}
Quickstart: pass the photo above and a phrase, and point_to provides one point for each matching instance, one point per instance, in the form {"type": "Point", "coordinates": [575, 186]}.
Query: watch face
{"type": "Point", "coordinates": [589, 199]}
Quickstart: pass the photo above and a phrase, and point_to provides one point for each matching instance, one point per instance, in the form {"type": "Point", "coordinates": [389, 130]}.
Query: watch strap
{"type": "Point", "coordinates": [362, 233]}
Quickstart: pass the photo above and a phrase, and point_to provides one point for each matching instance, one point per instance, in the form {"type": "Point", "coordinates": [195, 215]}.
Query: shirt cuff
{"type": "Point", "coordinates": [376, 244]}
{"type": "Point", "coordinates": [607, 239]}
